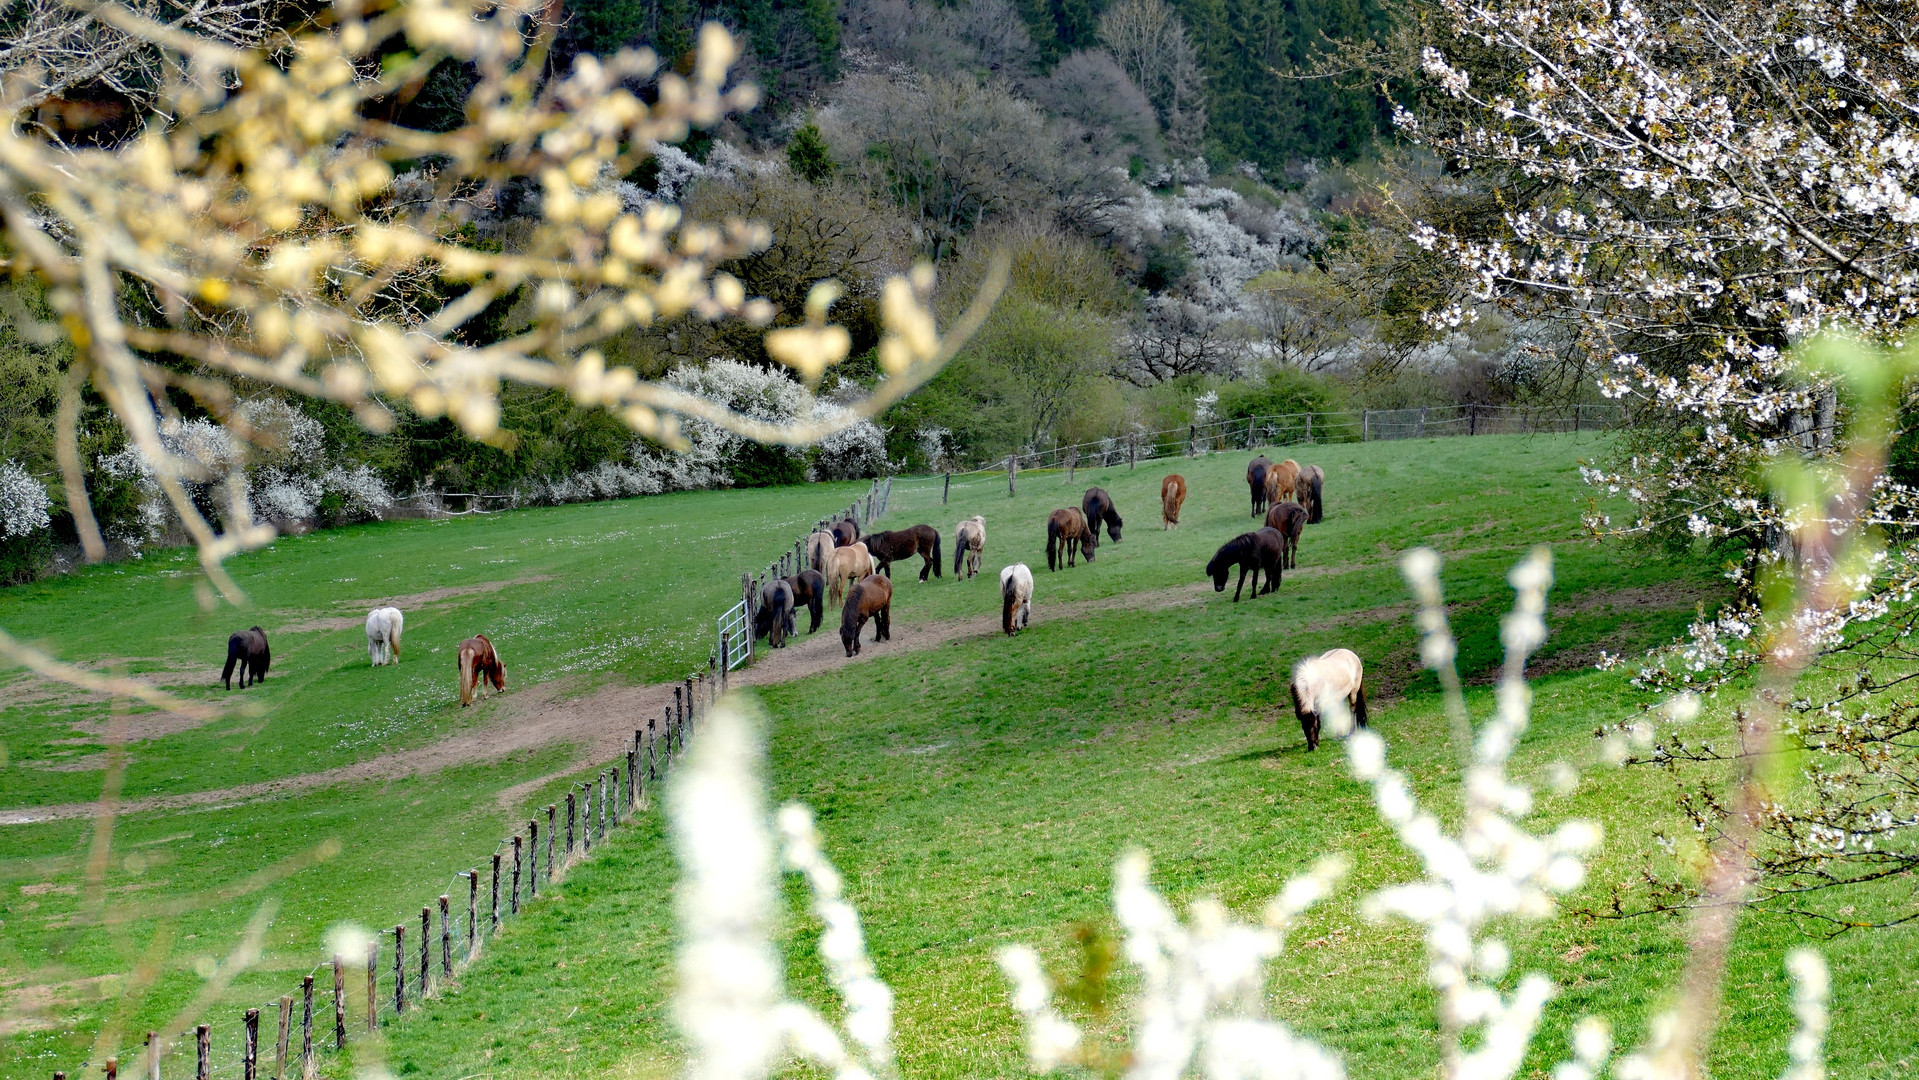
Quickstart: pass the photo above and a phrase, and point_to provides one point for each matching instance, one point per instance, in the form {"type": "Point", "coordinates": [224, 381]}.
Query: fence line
{"type": "Point", "coordinates": [402, 970]}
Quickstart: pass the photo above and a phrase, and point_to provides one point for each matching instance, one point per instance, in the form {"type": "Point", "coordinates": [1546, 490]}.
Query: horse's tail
{"type": "Point", "coordinates": [260, 663]}
{"type": "Point", "coordinates": [1009, 602]}
{"type": "Point", "coordinates": [468, 679]}
{"type": "Point", "coordinates": [1314, 512]}
{"type": "Point", "coordinates": [1052, 544]}
{"type": "Point", "coordinates": [961, 541]}
{"type": "Point", "coordinates": [936, 556]}
{"type": "Point", "coordinates": [233, 658]}
{"type": "Point", "coordinates": [393, 629]}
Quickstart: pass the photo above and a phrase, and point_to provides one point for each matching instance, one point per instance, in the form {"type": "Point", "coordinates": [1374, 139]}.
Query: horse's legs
{"type": "Point", "coordinates": [1242, 582]}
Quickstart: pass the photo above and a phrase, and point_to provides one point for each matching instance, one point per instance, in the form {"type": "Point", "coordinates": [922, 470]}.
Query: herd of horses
{"type": "Point", "coordinates": [855, 571]}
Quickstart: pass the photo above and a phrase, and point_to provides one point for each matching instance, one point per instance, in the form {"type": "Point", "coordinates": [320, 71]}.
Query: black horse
{"type": "Point", "coordinates": [774, 619]}
{"type": "Point", "coordinates": [845, 533]}
{"type": "Point", "coordinates": [1251, 552]}
{"type": "Point", "coordinates": [1098, 507]}
{"type": "Point", "coordinates": [809, 589]}
{"type": "Point", "coordinates": [1256, 480]}
{"type": "Point", "coordinates": [248, 649]}
{"type": "Point", "coordinates": [890, 547]}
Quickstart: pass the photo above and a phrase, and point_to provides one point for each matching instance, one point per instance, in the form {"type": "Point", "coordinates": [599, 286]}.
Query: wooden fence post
{"type": "Point", "coordinates": [1365, 424]}
{"type": "Point", "coordinates": [153, 1049]}
{"type": "Point", "coordinates": [472, 912]}
{"type": "Point", "coordinates": [1072, 464]}
{"type": "Point", "coordinates": [515, 904]}
{"type": "Point", "coordinates": [203, 1049]}
{"type": "Point", "coordinates": [1422, 422]}
{"type": "Point", "coordinates": [533, 857]}
{"type": "Point", "coordinates": [306, 1027]}
{"type": "Point", "coordinates": [550, 811]}
{"type": "Point", "coordinates": [947, 489]}
{"type": "Point", "coordinates": [372, 979]}
{"type": "Point", "coordinates": [249, 1050]}
{"type": "Point", "coordinates": [1192, 440]}
{"type": "Point", "coordinates": [569, 823]}
{"type": "Point", "coordinates": [1309, 427]}
{"type": "Point", "coordinates": [280, 1044]}
{"type": "Point", "coordinates": [609, 800]}
{"type": "Point", "coordinates": [1132, 451]}
{"type": "Point", "coordinates": [726, 655]}
{"type": "Point", "coordinates": [1472, 419]}
{"type": "Point", "coordinates": [339, 1002]}
{"type": "Point", "coordinates": [632, 777]}
{"type": "Point", "coordinates": [399, 969]}
{"type": "Point", "coordinates": [446, 937]}
{"type": "Point", "coordinates": [426, 948]}
{"type": "Point", "coordinates": [495, 924]}
{"type": "Point", "coordinates": [1012, 474]}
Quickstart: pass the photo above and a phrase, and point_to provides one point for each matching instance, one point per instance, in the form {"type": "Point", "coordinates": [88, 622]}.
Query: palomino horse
{"type": "Point", "coordinates": [1312, 488]}
{"type": "Point", "coordinates": [819, 546]}
{"type": "Point", "coordinates": [1252, 552]}
{"type": "Point", "coordinates": [890, 547]}
{"type": "Point", "coordinates": [871, 599]}
{"type": "Point", "coordinates": [383, 627]}
{"type": "Point", "coordinates": [774, 618]}
{"type": "Point", "coordinates": [1281, 481]}
{"type": "Point", "coordinates": [847, 565]}
{"type": "Point", "coordinates": [969, 543]}
{"type": "Point", "coordinates": [1015, 597]}
{"type": "Point", "coordinates": [1067, 536]}
{"type": "Point", "coordinates": [1098, 508]}
{"type": "Point", "coordinates": [1290, 520]}
{"type": "Point", "coordinates": [479, 664]}
{"type": "Point", "coordinates": [1329, 676]}
{"type": "Point", "coordinates": [809, 589]}
{"type": "Point", "coordinates": [248, 649]}
{"type": "Point", "coordinates": [1172, 496]}
{"type": "Point", "coordinates": [1256, 482]}
{"type": "Point", "coordinates": [845, 533]}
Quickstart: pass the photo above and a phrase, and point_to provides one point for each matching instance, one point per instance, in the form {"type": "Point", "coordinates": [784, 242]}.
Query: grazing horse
{"type": "Point", "coordinates": [479, 665]}
{"type": "Point", "coordinates": [1098, 507]}
{"type": "Point", "coordinates": [1282, 480]}
{"type": "Point", "coordinates": [845, 534]}
{"type": "Point", "coordinates": [1256, 481]}
{"type": "Point", "coordinates": [872, 599]}
{"type": "Point", "coordinates": [774, 618]}
{"type": "Point", "coordinates": [890, 547]}
{"type": "Point", "coordinates": [848, 564]}
{"type": "Point", "coordinates": [383, 626]}
{"type": "Point", "coordinates": [1015, 597]}
{"type": "Point", "coordinates": [1329, 676]}
{"type": "Point", "coordinates": [1067, 536]}
{"type": "Point", "coordinates": [248, 648]}
{"type": "Point", "coordinates": [1312, 487]}
{"type": "Point", "coordinates": [809, 588]}
{"type": "Point", "coordinates": [819, 546]}
{"type": "Point", "coordinates": [1251, 552]}
{"type": "Point", "coordinates": [1290, 520]}
{"type": "Point", "coordinates": [969, 543]}
{"type": "Point", "coordinates": [1172, 495]}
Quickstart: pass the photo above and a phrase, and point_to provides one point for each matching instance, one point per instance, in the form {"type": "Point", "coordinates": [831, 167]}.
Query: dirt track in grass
{"type": "Point", "coordinates": [600, 723]}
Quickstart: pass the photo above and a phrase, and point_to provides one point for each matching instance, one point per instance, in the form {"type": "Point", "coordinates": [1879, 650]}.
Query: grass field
{"type": "Point", "coordinates": [974, 792]}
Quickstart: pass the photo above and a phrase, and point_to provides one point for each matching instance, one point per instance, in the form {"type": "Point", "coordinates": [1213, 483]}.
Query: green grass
{"type": "Point", "coordinates": [978, 793]}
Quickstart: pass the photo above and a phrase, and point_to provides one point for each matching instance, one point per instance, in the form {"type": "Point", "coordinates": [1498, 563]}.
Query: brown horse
{"type": "Point", "coordinates": [845, 533]}
{"type": "Point", "coordinates": [1067, 536]}
{"type": "Point", "coordinates": [921, 540]}
{"type": "Point", "coordinates": [479, 664]}
{"type": "Point", "coordinates": [1172, 495]}
{"type": "Point", "coordinates": [1312, 487]}
{"type": "Point", "coordinates": [809, 591]}
{"type": "Point", "coordinates": [871, 599]}
{"type": "Point", "coordinates": [248, 649]}
{"type": "Point", "coordinates": [1290, 520]}
{"type": "Point", "coordinates": [1099, 509]}
{"type": "Point", "coordinates": [1256, 481]}
{"type": "Point", "coordinates": [1281, 481]}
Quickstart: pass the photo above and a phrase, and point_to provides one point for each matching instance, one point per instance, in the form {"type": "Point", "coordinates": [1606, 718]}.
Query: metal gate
{"type": "Point", "coordinates": [733, 639]}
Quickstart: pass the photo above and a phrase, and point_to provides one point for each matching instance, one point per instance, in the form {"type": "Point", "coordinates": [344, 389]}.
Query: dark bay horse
{"type": "Point", "coordinates": [845, 533]}
{"type": "Point", "coordinates": [1290, 520]}
{"type": "Point", "coordinates": [1256, 480]}
{"type": "Point", "coordinates": [248, 649]}
{"type": "Point", "coordinates": [1312, 487]}
{"type": "Point", "coordinates": [479, 665]}
{"type": "Point", "coordinates": [809, 590]}
{"type": "Point", "coordinates": [1252, 552]}
{"type": "Point", "coordinates": [871, 599]}
{"type": "Point", "coordinates": [774, 618]}
{"type": "Point", "coordinates": [921, 540]}
{"type": "Point", "coordinates": [1098, 508]}
{"type": "Point", "coordinates": [1067, 536]}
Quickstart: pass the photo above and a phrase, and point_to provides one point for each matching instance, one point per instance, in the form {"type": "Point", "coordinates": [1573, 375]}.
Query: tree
{"type": "Point", "coordinates": [1149, 40]}
{"type": "Point", "coordinates": [809, 156]}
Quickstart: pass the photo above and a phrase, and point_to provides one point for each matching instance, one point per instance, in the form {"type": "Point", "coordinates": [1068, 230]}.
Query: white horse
{"type": "Point", "coordinates": [383, 626]}
{"type": "Point", "coordinates": [970, 540]}
{"type": "Point", "coordinates": [1330, 676]}
{"type": "Point", "coordinates": [819, 548]}
{"type": "Point", "coordinates": [1016, 597]}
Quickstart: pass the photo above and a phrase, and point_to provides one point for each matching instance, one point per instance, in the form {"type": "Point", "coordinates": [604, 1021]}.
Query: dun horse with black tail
{"type": "Point", "coordinates": [1067, 537]}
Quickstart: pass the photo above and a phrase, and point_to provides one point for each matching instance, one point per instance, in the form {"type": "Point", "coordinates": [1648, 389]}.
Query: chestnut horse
{"type": "Point", "coordinates": [809, 589]}
{"type": "Point", "coordinates": [1290, 520]}
{"type": "Point", "coordinates": [479, 664]}
{"type": "Point", "coordinates": [248, 649]}
{"type": "Point", "coordinates": [1172, 495]}
{"type": "Point", "coordinates": [1098, 508]}
{"type": "Point", "coordinates": [1251, 552]}
{"type": "Point", "coordinates": [1329, 676]}
{"type": "Point", "coordinates": [1312, 487]}
{"type": "Point", "coordinates": [1281, 481]}
{"type": "Point", "coordinates": [1256, 481]}
{"type": "Point", "coordinates": [847, 565]}
{"type": "Point", "coordinates": [1067, 536]}
{"type": "Point", "coordinates": [1016, 597]}
{"type": "Point", "coordinates": [890, 547]}
{"type": "Point", "coordinates": [872, 599]}
{"type": "Point", "coordinates": [969, 543]}
{"type": "Point", "coordinates": [845, 533]}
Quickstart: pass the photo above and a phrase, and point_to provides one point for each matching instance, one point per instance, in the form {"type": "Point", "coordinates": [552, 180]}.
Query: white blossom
{"type": "Point", "coordinates": [23, 502]}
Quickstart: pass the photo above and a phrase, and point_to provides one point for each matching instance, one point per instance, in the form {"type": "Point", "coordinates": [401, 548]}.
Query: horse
{"type": "Point", "coordinates": [1334, 674]}
{"type": "Point", "coordinates": [1312, 486]}
{"type": "Point", "coordinates": [248, 648]}
{"type": "Point", "coordinates": [1016, 598]}
{"type": "Point", "coordinates": [890, 547]}
{"type": "Point", "coordinates": [1256, 481]}
{"type": "Point", "coordinates": [1290, 520]}
{"type": "Point", "coordinates": [1282, 480]}
{"type": "Point", "coordinates": [1172, 495]}
{"type": "Point", "coordinates": [383, 626]}
{"type": "Point", "coordinates": [809, 588]}
{"type": "Point", "coordinates": [819, 546]}
{"type": "Point", "coordinates": [872, 599]}
{"type": "Point", "coordinates": [1098, 507]}
{"type": "Point", "coordinates": [479, 664]}
{"type": "Point", "coordinates": [773, 619]}
{"type": "Point", "coordinates": [845, 533]}
{"type": "Point", "coordinates": [1251, 552]}
{"type": "Point", "coordinates": [1067, 536]}
{"type": "Point", "coordinates": [848, 564]}
{"type": "Point", "coordinates": [969, 543]}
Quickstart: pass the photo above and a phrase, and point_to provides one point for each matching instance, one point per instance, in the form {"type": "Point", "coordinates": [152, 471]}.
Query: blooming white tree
{"type": "Point", "coordinates": [23, 502]}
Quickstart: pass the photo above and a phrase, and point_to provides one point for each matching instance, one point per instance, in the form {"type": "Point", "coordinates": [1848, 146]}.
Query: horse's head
{"type": "Point", "coordinates": [1217, 570]}
{"type": "Point", "coordinates": [1112, 526]}
{"type": "Point", "coordinates": [1089, 544]}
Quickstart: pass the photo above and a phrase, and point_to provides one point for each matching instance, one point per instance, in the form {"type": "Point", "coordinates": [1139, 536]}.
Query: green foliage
{"type": "Point", "coordinates": [29, 383]}
{"type": "Point", "coordinates": [22, 557]}
{"type": "Point", "coordinates": [809, 155]}
{"type": "Point", "coordinates": [756, 465]}
{"type": "Point", "coordinates": [1282, 391]}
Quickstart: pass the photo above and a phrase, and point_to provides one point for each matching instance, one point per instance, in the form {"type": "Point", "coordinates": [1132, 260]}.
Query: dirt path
{"type": "Point", "coordinates": [600, 724]}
